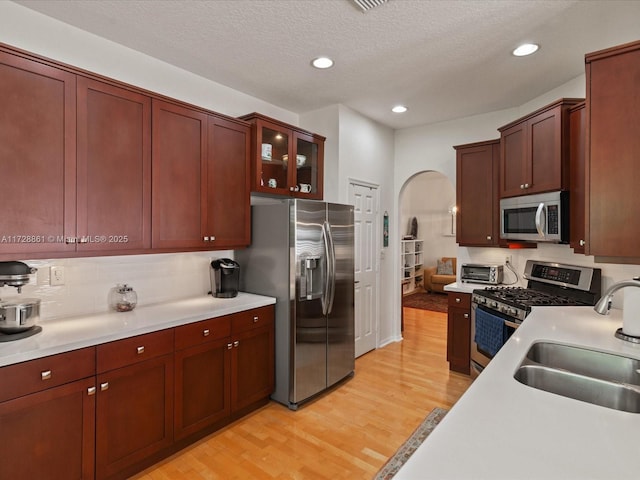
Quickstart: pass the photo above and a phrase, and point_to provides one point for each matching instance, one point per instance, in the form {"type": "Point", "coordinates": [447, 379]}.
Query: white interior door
{"type": "Point", "coordinates": [364, 198]}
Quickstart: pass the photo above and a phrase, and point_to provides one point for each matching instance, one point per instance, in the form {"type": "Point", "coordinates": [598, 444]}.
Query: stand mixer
{"type": "Point", "coordinates": [18, 317]}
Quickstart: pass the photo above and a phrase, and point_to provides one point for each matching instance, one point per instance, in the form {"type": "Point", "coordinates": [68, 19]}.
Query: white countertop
{"type": "Point", "coordinates": [502, 429]}
{"type": "Point", "coordinates": [68, 334]}
{"type": "Point", "coordinates": [463, 287]}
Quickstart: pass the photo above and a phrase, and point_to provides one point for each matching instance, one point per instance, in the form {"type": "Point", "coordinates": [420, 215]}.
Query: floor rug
{"type": "Point", "coordinates": [436, 302]}
{"type": "Point", "coordinates": [411, 445]}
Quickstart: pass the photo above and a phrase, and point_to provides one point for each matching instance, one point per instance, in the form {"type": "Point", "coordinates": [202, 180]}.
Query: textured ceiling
{"type": "Point", "coordinates": [444, 59]}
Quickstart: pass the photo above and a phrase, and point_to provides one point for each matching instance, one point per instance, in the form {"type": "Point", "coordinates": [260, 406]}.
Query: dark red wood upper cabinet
{"type": "Point", "coordinates": [285, 160]}
{"type": "Point", "coordinates": [95, 166]}
{"type": "Point", "coordinates": [179, 153]}
{"type": "Point", "coordinates": [613, 152]}
{"type": "Point", "coordinates": [114, 168]}
{"type": "Point", "coordinates": [37, 157]}
{"type": "Point", "coordinates": [477, 176]}
{"type": "Point", "coordinates": [577, 198]}
{"type": "Point", "coordinates": [228, 191]}
{"type": "Point", "coordinates": [534, 151]}
{"type": "Point", "coordinates": [201, 196]}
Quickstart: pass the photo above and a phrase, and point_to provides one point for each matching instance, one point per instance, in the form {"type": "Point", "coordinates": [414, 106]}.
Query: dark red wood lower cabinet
{"type": "Point", "coordinates": [252, 357]}
{"type": "Point", "coordinates": [202, 390]}
{"type": "Point", "coordinates": [459, 332]}
{"type": "Point", "coordinates": [134, 414]}
{"type": "Point", "coordinates": [49, 434]}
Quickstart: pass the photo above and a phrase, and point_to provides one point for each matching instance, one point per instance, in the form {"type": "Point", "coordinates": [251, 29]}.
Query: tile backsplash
{"type": "Point", "coordinates": [156, 278]}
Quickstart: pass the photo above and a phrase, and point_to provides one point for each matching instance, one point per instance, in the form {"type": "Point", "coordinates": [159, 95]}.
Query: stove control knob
{"type": "Point", "coordinates": [493, 304]}
{"type": "Point", "coordinates": [513, 311]}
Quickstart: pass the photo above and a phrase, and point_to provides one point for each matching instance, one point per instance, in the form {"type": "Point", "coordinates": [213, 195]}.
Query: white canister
{"type": "Point", "coordinates": [631, 312]}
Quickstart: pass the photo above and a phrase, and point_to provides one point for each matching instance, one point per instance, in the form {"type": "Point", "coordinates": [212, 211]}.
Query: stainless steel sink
{"type": "Point", "coordinates": [591, 376]}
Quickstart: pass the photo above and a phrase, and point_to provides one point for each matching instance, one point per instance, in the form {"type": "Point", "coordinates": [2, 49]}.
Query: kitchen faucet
{"type": "Point", "coordinates": [604, 305]}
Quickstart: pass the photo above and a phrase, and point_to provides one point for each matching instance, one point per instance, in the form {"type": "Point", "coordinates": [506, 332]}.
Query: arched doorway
{"type": "Point", "coordinates": [429, 197]}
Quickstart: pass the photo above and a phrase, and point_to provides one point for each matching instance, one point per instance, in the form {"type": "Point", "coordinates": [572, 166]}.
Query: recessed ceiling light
{"type": "Point", "coordinates": [399, 109]}
{"type": "Point", "coordinates": [525, 49]}
{"type": "Point", "coordinates": [322, 62]}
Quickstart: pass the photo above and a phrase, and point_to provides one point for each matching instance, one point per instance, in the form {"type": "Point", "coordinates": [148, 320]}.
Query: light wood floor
{"type": "Point", "coordinates": [348, 433]}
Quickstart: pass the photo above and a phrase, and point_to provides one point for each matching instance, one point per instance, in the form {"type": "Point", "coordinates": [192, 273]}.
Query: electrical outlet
{"type": "Point", "coordinates": [508, 259]}
{"type": "Point", "coordinates": [56, 276]}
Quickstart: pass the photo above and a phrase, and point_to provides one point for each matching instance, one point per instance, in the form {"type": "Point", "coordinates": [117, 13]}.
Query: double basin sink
{"type": "Point", "coordinates": [600, 378]}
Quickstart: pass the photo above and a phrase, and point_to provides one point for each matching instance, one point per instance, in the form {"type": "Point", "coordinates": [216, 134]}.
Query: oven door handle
{"type": "Point", "coordinates": [511, 324]}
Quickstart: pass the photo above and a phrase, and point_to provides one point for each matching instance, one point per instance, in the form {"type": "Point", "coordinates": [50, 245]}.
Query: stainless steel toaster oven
{"type": "Point", "coordinates": [481, 273]}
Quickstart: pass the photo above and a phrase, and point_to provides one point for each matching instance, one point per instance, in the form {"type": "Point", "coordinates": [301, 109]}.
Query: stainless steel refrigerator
{"type": "Point", "coordinates": [302, 254]}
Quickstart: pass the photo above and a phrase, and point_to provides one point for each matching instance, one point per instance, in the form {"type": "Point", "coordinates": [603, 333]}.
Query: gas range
{"type": "Point", "coordinates": [549, 284]}
{"type": "Point", "coordinates": [517, 301]}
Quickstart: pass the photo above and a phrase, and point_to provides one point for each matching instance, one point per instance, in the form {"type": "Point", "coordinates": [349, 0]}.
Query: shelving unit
{"type": "Point", "coordinates": [411, 259]}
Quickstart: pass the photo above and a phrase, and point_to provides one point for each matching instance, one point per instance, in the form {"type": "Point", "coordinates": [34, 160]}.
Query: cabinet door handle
{"type": "Point", "coordinates": [236, 343]}
{"type": "Point", "coordinates": [205, 332]}
{"type": "Point", "coordinates": [255, 319]}
{"type": "Point", "coordinates": [466, 315]}
{"type": "Point", "coordinates": [83, 240]}
{"type": "Point", "coordinates": [526, 185]}
{"type": "Point", "coordinates": [229, 346]}
{"type": "Point", "coordinates": [46, 375]}
{"type": "Point", "coordinates": [582, 243]}
{"type": "Point", "coordinates": [140, 350]}
{"type": "Point", "coordinates": [104, 386]}
{"type": "Point", "coordinates": [458, 300]}
{"type": "Point", "coordinates": [522, 186]}
{"type": "Point", "coordinates": [91, 391]}
{"type": "Point", "coordinates": [489, 237]}
{"type": "Point", "coordinates": [70, 240]}
{"type": "Point", "coordinates": [206, 239]}
{"type": "Point", "coordinates": [213, 239]}
{"type": "Point", "coordinates": [291, 189]}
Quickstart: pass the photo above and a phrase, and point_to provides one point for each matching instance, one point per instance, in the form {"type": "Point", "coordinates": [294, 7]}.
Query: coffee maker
{"type": "Point", "coordinates": [225, 278]}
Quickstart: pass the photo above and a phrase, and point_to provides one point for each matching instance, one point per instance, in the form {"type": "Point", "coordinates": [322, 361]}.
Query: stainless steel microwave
{"type": "Point", "coordinates": [481, 273]}
{"type": "Point", "coordinates": [543, 217]}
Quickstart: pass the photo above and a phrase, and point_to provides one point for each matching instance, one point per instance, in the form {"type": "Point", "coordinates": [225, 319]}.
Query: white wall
{"type": "Point", "coordinates": [366, 154]}
{"type": "Point", "coordinates": [325, 122]}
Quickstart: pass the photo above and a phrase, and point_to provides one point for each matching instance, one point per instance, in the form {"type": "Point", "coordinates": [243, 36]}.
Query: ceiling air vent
{"type": "Point", "coordinates": [366, 5]}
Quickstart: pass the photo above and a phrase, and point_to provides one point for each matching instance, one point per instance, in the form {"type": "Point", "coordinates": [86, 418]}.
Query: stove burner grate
{"type": "Point", "coordinates": [526, 297]}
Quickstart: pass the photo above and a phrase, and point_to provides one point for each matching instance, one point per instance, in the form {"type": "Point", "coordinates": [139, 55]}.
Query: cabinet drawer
{"type": "Point", "coordinates": [256, 318]}
{"type": "Point", "coordinates": [203, 332]}
{"type": "Point", "coordinates": [133, 350]}
{"type": "Point", "coordinates": [462, 300]}
{"type": "Point", "coordinates": [36, 375]}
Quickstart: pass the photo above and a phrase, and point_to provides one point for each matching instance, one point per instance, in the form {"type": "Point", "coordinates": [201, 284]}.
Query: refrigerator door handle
{"type": "Point", "coordinates": [331, 261]}
{"type": "Point", "coordinates": [327, 276]}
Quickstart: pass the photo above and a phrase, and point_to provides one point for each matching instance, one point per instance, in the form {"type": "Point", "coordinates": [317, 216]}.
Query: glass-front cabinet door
{"type": "Point", "coordinates": [273, 151]}
{"type": "Point", "coordinates": [287, 161]}
{"type": "Point", "coordinates": [308, 168]}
